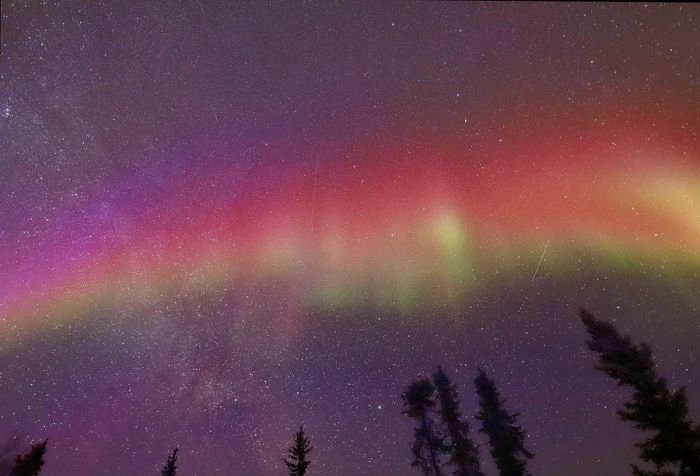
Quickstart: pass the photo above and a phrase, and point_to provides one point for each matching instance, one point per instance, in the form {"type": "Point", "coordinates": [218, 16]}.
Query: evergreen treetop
{"type": "Point", "coordinates": [674, 447]}
{"type": "Point", "coordinates": [506, 437]}
{"type": "Point", "coordinates": [464, 453]}
{"type": "Point", "coordinates": [31, 463]}
{"type": "Point", "coordinates": [170, 468]}
{"type": "Point", "coordinates": [419, 402]}
{"type": "Point", "coordinates": [296, 461]}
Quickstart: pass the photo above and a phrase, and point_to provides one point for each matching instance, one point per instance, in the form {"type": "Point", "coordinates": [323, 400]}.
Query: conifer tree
{"type": "Point", "coordinates": [31, 463]}
{"type": "Point", "coordinates": [674, 447]}
{"type": "Point", "coordinates": [419, 402]}
{"type": "Point", "coordinates": [506, 437]}
{"type": "Point", "coordinates": [464, 453]}
{"type": "Point", "coordinates": [298, 452]}
{"type": "Point", "coordinates": [170, 468]}
{"type": "Point", "coordinates": [9, 449]}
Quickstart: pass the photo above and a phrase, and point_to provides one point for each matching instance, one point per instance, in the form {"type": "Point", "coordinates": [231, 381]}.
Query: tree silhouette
{"type": "Point", "coordinates": [9, 449]}
{"type": "Point", "coordinates": [298, 452]}
{"type": "Point", "coordinates": [419, 402]}
{"type": "Point", "coordinates": [170, 468]}
{"type": "Point", "coordinates": [30, 464]}
{"type": "Point", "coordinates": [506, 437]}
{"type": "Point", "coordinates": [674, 448]}
{"type": "Point", "coordinates": [464, 454]}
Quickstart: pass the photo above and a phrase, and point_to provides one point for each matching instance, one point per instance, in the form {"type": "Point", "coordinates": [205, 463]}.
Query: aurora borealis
{"type": "Point", "coordinates": [219, 220]}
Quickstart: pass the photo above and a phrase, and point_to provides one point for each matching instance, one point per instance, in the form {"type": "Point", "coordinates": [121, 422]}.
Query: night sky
{"type": "Point", "coordinates": [220, 220]}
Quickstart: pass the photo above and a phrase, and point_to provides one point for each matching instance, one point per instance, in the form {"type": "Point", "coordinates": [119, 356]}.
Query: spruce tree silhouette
{"type": "Point", "coordinates": [464, 453]}
{"type": "Point", "coordinates": [31, 463]}
{"type": "Point", "coordinates": [506, 437]}
{"type": "Point", "coordinates": [9, 449]}
{"type": "Point", "coordinates": [419, 402]}
{"type": "Point", "coordinates": [298, 452]}
{"type": "Point", "coordinates": [674, 447]}
{"type": "Point", "coordinates": [170, 468]}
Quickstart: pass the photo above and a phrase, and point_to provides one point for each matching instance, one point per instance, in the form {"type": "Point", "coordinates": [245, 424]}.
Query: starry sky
{"type": "Point", "coordinates": [219, 220]}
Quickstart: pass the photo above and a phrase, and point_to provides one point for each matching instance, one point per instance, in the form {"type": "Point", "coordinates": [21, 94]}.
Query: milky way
{"type": "Point", "coordinates": [220, 220]}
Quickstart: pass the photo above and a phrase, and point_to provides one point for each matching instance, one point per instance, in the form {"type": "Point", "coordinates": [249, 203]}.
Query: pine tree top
{"type": "Point", "coordinates": [464, 453]}
{"type": "Point", "coordinates": [296, 461]}
{"type": "Point", "coordinates": [506, 437]}
{"type": "Point", "coordinates": [627, 363]}
{"type": "Point", "coordinates": [447, 396]}
{"type": "Point", "coordinates": [418, 398]}
{"type": "Point", "coordinates": [31, 463]}
{"type": "Point", "coordinates": [170, 468]}
{"type": "Point", "coordinates": [487, 391]}
{"type": "Point", "coordinates": [653, 407]}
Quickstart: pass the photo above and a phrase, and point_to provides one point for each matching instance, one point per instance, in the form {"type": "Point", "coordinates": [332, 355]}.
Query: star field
{"type": "Point", "coordinates": [220, 220]}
